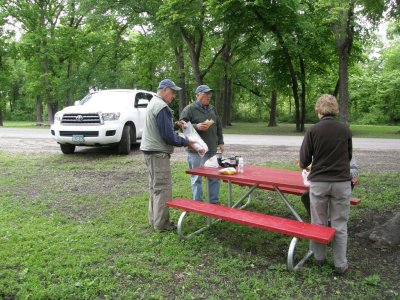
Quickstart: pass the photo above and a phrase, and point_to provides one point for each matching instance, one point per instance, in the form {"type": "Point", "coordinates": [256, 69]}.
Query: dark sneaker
{"type": "Point", "coordinates": [340, 271]}
{"type": "Point", "coordinates": [170, 227]}
{"type": "Point", "coordinates": [320, 263]}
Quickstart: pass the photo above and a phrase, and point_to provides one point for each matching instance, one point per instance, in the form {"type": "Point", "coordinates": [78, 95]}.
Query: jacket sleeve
{"type": "Point", "coordinates": [166, 129]}
{"type": "Point", "coordinates": [186, 115]}
{"type": "Point", "coordinates": [306, 151]}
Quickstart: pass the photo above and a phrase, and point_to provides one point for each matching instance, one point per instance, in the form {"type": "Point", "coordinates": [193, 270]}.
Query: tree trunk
{"type": "Point", "coordinates": [39, 110]}
{"type": "Point", "coordinates": [194, 52]}
{"type": "Point", "coordinates": [344, 30]}
{"type": "Point", "coordinates": [1, 117]}
{"type": "Point", "coordinates": [272, 111]}
{"type": "Point", "coordinates": [293, 76]}
{"type": "Point", "coordinates": [303, 95]}
{"type": "Point", "coordinates": [227, 85]}
{"type": "Point", "coordinates": [69, 75]}
{"type": "Point", "coordinates": [336, 90]}
{"type": "Point", "coordinates": [180, 63]}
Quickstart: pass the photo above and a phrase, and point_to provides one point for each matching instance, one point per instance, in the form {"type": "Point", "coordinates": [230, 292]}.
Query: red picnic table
{"type": "Point", "coordinates": [257, 177]}
{"type": "Point", "coordinates": [279, 180]}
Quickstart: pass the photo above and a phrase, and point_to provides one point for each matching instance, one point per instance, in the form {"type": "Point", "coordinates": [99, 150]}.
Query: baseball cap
{"type": "Point", "coordinates": [203, 89]}
{"type": "Point", "coordinates": [168, 83]}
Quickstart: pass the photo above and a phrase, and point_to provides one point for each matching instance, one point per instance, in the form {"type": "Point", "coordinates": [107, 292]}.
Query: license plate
{"type": "Point", "coordinates": [78, 138]}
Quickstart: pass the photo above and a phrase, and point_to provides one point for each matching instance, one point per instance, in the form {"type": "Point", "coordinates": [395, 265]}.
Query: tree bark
{"type": "Point", "coordinates": [272, 111]}
{"type": "Point", "coordinates": [226, 58]}
{"type": "Point", "coordinates": [194, 52]}
{"type": "Point", "coordinates": [344, 31]}
{"type": "Point", "coordinates": [180, 63]}
{"type": "Point", "coordinates": [69, 78]}
{"type": "Point", "coordinates": [303, 95]}
{"type": "Point", "coordinates": [39, 110]}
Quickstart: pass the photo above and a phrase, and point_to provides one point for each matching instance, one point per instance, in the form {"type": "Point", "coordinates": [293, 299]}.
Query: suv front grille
{"type": "Point", "coordinates": [81, 119]}
{"type": "Point", "coordinates": [84, 133]}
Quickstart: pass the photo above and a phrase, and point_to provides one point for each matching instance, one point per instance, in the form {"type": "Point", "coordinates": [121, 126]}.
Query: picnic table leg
{"type": "Point", "coordinates": [246, 195]}
{"type": "Point", "coordinates": [229, 193]}
{"type": "Point", "coordinates": [292, 210]}
{"type": "Point", "coordinates": [180, 224]}
{"type": "Point", "coordinates": [290, 258]}
{"type": "Point", "coordinates": [209, 201]}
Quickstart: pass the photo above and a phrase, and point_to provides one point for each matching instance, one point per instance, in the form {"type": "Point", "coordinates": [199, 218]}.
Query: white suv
{"type": "Point", "coordinates": [105, 117]}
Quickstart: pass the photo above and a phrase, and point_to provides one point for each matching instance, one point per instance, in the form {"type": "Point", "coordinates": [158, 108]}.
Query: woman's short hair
{"type": "Point", "coordinates": [327, 105]}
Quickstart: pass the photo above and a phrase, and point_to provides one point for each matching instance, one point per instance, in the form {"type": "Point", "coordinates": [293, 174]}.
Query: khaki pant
{"type": "Point", "coordinates": [160, 187]}
{"type": "Point", "coordinates": [331, 200]}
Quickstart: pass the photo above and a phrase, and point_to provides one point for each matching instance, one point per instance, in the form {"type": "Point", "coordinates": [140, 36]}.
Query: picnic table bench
{"type": "Point", "coordinates": [294, 228]}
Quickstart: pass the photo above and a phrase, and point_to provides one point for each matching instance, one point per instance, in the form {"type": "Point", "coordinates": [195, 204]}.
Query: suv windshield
{"type": "Point", "coordinates": [107, 97]}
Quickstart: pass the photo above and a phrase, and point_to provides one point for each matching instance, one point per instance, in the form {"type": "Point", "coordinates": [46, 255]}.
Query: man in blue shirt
{"type": "Point", "coordinates": [158, 141]}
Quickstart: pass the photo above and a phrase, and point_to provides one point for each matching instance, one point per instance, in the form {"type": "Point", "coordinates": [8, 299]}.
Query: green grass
{"type": "Point", "coordinates": [362, 131]}
{"type": "Point", "coordinates": [22, 124]}
{"type": "Point", "coordinates": [76, 227]}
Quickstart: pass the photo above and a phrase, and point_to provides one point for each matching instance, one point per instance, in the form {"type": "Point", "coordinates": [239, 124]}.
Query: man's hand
{"type": "Point", "coordinates": [355, 180]}
{"type": "Point", "coordinates": [191, 144]}
{"type": "Point", "coordinates": [221, 146]}
{"type": "Point", "coordinates": [202, 126]}
{"type": "Point", "coordinates": [181, 123]}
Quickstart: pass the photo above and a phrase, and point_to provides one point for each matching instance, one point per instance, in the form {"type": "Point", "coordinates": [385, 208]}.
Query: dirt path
{"type": "Point", "coordinates": [373, 155]}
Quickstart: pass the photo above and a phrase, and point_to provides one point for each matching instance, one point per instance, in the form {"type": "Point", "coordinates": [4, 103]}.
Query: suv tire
{"type": "Point", "coordinates": [124, 146]}
{"type": "Point", "coordinates": [67, 148]}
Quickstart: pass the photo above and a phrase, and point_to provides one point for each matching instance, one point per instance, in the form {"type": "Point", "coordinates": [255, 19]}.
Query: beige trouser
{"type": "Point", "coordinates": [331, 200]}
{"type": "Point", "coordinates": [160, 186]}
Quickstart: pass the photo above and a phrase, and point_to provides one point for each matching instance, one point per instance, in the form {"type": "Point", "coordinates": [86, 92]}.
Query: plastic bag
{"type": "Point", "coordinates": [212, 162]}
{"type": "Point", "coordinates": [200, 146]}
{"type": "Point", "coordinates": [305, 173]}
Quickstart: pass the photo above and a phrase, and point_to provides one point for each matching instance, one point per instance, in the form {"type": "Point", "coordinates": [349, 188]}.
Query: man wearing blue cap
{"type": "Point", "coordinates": [207, 123]}
{"type": "Point", "coordinates": [158, 141]}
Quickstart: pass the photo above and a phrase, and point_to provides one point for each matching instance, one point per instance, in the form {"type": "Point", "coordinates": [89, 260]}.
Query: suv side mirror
{"type": "Point", "coordinates": [77, 102]}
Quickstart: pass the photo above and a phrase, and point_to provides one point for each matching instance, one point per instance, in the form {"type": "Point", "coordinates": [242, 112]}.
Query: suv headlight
{"type": "Point", "coordinates": [111, 116]}
{"type": "Point", "coordinates": [58, 117]}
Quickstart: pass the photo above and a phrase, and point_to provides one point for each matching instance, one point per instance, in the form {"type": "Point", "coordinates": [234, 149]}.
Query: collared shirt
{"type": "Point", "coordinates": [203, 109]}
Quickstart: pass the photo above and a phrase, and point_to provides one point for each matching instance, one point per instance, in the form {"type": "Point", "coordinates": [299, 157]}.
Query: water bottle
{"type": "Point", "coordinates": [240, 165]}
{"type": "Point", "coordinates": [219, 153]}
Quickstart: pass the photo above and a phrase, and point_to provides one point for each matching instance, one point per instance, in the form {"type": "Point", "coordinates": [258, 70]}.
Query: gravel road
{"type": "Point", "coordinates": [378, 155]}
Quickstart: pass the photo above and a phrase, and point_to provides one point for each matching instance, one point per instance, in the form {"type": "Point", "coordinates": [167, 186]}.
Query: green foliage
{"type": "Point", "coordinates": [64, 47]}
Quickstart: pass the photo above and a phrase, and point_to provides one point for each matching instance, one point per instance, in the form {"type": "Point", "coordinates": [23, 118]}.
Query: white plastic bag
{"type": "Point", "coordinates": [200, 146]}
{"type": "Point", "coordinates": [212, 162]}
{"type": "Point", "coordinates": [305, 174]}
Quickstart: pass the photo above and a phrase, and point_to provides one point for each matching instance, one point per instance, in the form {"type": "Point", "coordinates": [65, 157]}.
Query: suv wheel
{"type": "Point", "coordinates": [67, 149]}
{"type": "Point", "coordinates": [124, 146]}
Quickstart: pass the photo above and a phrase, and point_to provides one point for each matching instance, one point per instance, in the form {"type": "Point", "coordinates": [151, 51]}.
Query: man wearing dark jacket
{"type": "Point", "coordinates": [200, 113]}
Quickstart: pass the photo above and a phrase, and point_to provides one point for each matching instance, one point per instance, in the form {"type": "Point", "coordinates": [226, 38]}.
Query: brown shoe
{"type": "Point", "coordinates": [340, 271]}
